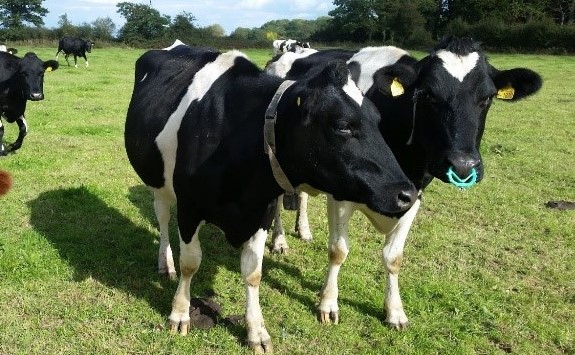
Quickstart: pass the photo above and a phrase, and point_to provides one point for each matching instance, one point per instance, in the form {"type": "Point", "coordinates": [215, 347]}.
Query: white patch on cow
{"type": "Point", "coordinates": [3, 48]}
{"type": "Point", "coordinates": [144, 78]}
{"type": "Point", "coordinates": [281, 66]}
{"type": "Point", "coordinates": [372, 59]}
{"type": "Point", "coordinates": [167, 140]}
{"type": "Point", "coordinates": [456, 65]}
{"type": "Point", "coordinates": [353, 91]}
{"type": "Point", "coordinates": [175, 44]}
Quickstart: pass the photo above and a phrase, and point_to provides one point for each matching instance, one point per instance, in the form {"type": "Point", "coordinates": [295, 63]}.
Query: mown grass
{"type": "Point", "coordinates": [489, 270]}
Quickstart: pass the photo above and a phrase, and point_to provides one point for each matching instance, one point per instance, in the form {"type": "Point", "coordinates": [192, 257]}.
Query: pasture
{"type": "Point", "coordinates": [487, 270]}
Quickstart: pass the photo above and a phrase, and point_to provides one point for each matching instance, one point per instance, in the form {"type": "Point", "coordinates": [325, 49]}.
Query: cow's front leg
{"type": "Point", "coordinates": [251, 267]}
{"type": "Point", "coordinates": [392, 259]}
{"type": "Point", "coordinates": [162, 203]}
{"type": "Point", "coordinates": [190, 259]}
{"type": "Point", "coordinates": [302, 222]}
{"type": "Point", "coordinates": [338, 214]}
{"type": "Point", "coordinates": [22, 132]}
{"type": "Point", "coordinates": [279, 242]}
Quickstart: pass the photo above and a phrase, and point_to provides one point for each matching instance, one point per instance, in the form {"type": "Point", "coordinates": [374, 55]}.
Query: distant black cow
{"type": "Point", "coordinates": [75, 46]}
{"type": "Point", "coordinates": [3, 48]}
{"type": "Point", "coordinates": [433, 117]}
{"type": "Point", "coordinates": [195, 134]}
{"type": "Point", "coordinates": [21, 79]}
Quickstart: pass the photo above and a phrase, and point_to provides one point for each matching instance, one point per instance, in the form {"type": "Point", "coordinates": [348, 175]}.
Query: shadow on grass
{"type": "Point", "coordinates": [101, 243]}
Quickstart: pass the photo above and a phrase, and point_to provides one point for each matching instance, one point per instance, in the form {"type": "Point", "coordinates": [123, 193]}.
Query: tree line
{"type": "Point", "coordinates": [527, 25]}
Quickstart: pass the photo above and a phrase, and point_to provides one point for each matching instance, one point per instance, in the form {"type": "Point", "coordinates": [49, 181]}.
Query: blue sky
{"type": "Point", "coordinates": [229, 14]}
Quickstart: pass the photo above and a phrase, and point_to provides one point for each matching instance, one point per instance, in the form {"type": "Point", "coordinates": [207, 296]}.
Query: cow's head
{"type": "Point", "coordinates": [330, 140]}
{"type": "Point", "coordinates": [88, 44]}
{"type": "Point", "coordinates": [31, 75]}
{"type": "Point", "coordinates": [450, 92]}
{"type": "Point", "coordinates": [454, 91]}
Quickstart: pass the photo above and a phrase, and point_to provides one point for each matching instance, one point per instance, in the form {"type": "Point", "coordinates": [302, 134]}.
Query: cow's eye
{"type": "Point", "coordinates": [343, 127]}
{"type": "Point", "coordinates": [486, 101]}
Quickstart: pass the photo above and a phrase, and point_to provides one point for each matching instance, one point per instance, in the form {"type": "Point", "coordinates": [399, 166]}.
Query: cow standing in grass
{"type": "Point", "coordinates": [195, 134]}
{"type": "Point", "coordinates": [433, 116]}
{"type": "Point", "coordinates": [75, 46]}
{"type": "Point", "coordinates": [21, 80]}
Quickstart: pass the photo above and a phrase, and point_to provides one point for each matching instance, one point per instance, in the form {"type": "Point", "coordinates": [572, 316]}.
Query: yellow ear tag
{"type": "Point", "coordinates": [49, 69]}
{"type": "Point", "coordinates": [298, 101]}
{"type": "Point", "coordinates": [396, 88]}
{"type": "Point", "coordinates": [506, 92]}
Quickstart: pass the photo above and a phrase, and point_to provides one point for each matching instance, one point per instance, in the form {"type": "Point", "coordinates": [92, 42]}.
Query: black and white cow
{"type": "Point", "coordinates": [194, 133]}
{"type": "Point", "coordinates": [75, 46]}
{"type": "Point", "coordinates": [10, 50]}
{"type": "Point", "coordinates": [433, 116]}
{"type": "Point", "coordinates": [288, 45]}
{"type": "Point", "coordinates": [21, 79]}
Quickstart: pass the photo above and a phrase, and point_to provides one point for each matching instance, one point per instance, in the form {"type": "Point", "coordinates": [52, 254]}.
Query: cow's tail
{"type": "Point", "coordinates": [5, 182]}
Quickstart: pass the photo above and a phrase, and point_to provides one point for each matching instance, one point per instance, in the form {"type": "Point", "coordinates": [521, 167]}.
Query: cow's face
{"type": "Point", "coordinates": [453, 94]}
{"type": "Point", "coordinates": [31, 75]}
{"type": "Point", "coordinates": [335, 145]}
{"type": "Point", "coordinates": [88, 45]}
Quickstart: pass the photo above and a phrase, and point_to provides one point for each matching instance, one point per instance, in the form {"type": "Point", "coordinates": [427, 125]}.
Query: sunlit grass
{"type": "Point", "coordinates": [489, 270]}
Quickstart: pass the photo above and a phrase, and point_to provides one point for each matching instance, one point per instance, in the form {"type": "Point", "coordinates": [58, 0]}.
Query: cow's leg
{"type": "Point", "coordinates": [75, 61]}
{"type": "Point", "coordinates": [66, 57]}
{"type": "Point", "coordinates": [279, 242]}
{"type": "Point", "coordinates": [338, 214]}
{"type": "Point", "coordinates": [302, 222]}
{"type": "Point", "coordinates": [162, 203]}
{"type": "Point", "coordinates": [86, 59]}
{"type": "Point", "coordinates": [251, 268]}
{"type": "Point", "coordinates": [22, 132]}
{"type": "Point", "coordinates": [392, 259]}
{"type": "Point", "coordinates": [190, 259]}
{"type": "Point", "coordinates": [3, 150]}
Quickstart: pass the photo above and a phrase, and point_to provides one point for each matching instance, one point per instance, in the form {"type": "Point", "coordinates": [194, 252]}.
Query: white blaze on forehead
{"type": "Point", "coordinates": [353, 91]}
{"type": "Point", "coordinates": [456, 65]}
{"type": "Point", "coordinates": [371, 59]}
{"type": "Point", "coordinates": [167, 140]}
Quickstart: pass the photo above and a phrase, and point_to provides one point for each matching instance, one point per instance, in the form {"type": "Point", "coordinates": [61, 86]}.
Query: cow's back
{"type": "Point", "coordinates": [162, 78]}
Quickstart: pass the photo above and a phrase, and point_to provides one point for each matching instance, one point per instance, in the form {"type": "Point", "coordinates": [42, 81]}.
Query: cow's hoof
{"type": "Point", "coordinates": [397, 320]}
{"type": "Point", "coordinates": [397, 326]}
{"type": "Point", "coordinates": [329, 317]}
{"type": "Point", "coordinates": [180, 327]}
{"type": "Point", "coordinates": [280, 249]}
{"type": "Point", "coordinates": [261, 347]}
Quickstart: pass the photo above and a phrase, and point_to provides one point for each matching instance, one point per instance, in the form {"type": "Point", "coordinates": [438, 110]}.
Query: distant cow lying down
{"type": "Point", "coordinates": [194, 133]}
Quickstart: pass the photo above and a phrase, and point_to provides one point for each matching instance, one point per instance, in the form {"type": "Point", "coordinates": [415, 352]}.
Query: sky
{"type": "Point", "coordinates": [229, 14]}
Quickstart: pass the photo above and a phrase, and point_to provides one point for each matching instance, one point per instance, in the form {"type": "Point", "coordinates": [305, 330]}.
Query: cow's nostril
{"type": "Point", "coordinates": [406, 198]}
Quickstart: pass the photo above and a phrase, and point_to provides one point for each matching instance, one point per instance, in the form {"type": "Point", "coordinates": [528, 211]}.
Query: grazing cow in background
{"type": "Point", "coordinates": [194, 133]}
{"type": "Point", "coordinates": [3, 48]}
{"type": "Point", "coordinates": [433, 116]}
{"type": "Point", "coordinates": [75, 46]}
{"type": "Point", "coordinates": [288, 45]}
{"type": "Point", "coordinates": [5, 182]}
{"type": "Point", "coordinates": [21, 80]}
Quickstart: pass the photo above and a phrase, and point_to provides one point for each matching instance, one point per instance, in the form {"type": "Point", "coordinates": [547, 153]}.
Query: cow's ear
{"type": "Point", "coordinates": [515, 84]}
{"type": "Point", "coordinates": [51, 65]}
{"type": "Point", "coordinates": [392, 80]}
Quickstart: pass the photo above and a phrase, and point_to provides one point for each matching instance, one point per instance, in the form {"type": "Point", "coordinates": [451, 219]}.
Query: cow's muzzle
{"type": "Point", "coordinates": [463, 170]}
{"type": "Point", "coordinates": [36, 96]}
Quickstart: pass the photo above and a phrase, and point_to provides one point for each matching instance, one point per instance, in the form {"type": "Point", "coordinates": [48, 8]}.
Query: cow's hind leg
{"type": "Point", "coordinates": [3, 150]}
{"type": "Point", "coordinates": [162, 203]}
{"type": "Point", "coordinates": [279, 242]}
{"type": "Point", "coordinates": [302, 222]}
{"type": "Point", "coordinates": [22, 132]}
{"type": "Point", "coordinates": [190, 260]}
{"type": "Point", "coordinates": [75, 61]}
{"type": "Point", "coordinates": [251, 267]}
{"type": "Point", "coordinates": [339, 213]}
{"type": "Point", "coordinates": [66, 57]}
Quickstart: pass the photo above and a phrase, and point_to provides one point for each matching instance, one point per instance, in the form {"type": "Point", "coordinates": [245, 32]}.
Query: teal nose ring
{"type": "Point", "coordinates": [466, 183]}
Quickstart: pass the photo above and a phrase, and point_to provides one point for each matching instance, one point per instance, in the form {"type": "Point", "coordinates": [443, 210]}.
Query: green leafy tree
{"type": "Point", "coordinates": [15, 13]}
{"type": "Point", "coordinates": [142, 22]}
{"type": "Point", "coordinates": [103, 28]}
{"type": "Point", "coordinates": [216, 30]}
{"type": "Point", "coordinates": [66, 28]}
{"type": "Point", "coordinates": [182, 26]}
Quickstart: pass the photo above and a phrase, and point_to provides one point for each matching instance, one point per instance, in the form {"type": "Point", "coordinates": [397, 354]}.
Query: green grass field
{"type": "Point", "coordinates": [489, 270]}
